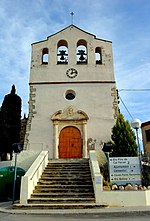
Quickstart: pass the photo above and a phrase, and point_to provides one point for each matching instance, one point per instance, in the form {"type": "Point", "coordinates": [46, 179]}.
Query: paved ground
{"type": "Point", "coordinates": [6, 207]}
{"type": "Point", "coordinates": [73, 217]}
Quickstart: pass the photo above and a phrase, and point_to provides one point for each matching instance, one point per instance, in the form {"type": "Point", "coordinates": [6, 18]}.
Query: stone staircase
{"type": "Point", "coordinates": [64, 184]}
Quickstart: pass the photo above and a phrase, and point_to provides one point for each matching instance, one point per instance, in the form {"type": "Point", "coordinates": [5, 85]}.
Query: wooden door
{"type": "Point", "coordinates": [70, 143]}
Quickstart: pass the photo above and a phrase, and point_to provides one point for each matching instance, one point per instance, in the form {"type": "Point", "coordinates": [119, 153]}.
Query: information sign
{"type": "Point", "coordinates": [124, 170]}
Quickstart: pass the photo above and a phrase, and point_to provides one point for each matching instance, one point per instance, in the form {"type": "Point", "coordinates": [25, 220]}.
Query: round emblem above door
{"type": "Point", "coordinates": [71, 73]}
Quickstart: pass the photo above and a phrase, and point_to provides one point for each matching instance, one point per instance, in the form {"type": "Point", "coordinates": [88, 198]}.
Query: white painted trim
{"type": "Point", "coordinates": [30, 179]}
{"type": "Point", "coordinates": [96, 176]}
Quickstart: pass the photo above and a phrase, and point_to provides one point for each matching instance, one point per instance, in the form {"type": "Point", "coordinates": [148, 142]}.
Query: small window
{"type": "Point", "coordinates": [62, 52]}
{"type": "Point", "coordinates": [147, 132]}
{"type": "Point", "coordinates": [82, 52]}
{"type": "Point", "coordinates": [98, 55]}
{"type": "Point", "coordinates": [70, 95]}
{"type": "Point", "coordinates": [45, 56]}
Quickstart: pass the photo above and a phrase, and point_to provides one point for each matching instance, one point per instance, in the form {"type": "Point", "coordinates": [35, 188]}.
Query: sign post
{"type": "Point", "coordinates": [17, 148]}
{"type": "Point", "coordinates": [15, 176]}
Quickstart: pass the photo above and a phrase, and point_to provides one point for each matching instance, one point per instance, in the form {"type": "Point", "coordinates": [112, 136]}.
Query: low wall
{"type": "Point", "coordinates": [30, 179]}
{"type": "Point", "coordinates": [125, 198]}
{"type": "Point", "coordinates": [24, 159]}
{"type": "Point", "coordinates": [96, 176]}
{"type": "Point", "coordinates": [115, 197]}
{"type": "Point", "coordinates": [147, 194]}
{"type": "Point", "coordinates": [6, 163]}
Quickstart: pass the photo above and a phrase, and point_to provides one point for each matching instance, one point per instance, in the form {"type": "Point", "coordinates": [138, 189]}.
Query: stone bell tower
{"type": "Point", "coordinates": [73, 102]}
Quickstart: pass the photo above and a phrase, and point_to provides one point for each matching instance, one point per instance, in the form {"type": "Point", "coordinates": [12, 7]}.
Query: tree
{"type": "Point", "coordinates": [124, 139]}
{"type": "Point", "coordinates": [10, 123]}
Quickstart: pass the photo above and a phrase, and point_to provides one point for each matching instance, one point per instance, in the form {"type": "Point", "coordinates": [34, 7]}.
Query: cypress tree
{"type": "Point", "coordinates": [124, 139]}
{"type": "Point", "coordinates": [10, 122]}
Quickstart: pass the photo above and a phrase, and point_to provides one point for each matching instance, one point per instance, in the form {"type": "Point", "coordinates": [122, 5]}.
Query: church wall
{"type": "Point", "coordinates": [96, 100]}
{"type": "Point", "coordinates": [56, 72]}
{"type": "Point", "coordinates": [93, 85]}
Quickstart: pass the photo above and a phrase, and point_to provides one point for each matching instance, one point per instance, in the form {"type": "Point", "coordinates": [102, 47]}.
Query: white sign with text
{"type": "Point", "coordinates": [123, 170]}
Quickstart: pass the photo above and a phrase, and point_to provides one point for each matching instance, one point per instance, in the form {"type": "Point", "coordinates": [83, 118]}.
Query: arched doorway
{"type": "Point", "coordinates": [70, 143]}
{"type": "Point", "coordinates": [70, 117]}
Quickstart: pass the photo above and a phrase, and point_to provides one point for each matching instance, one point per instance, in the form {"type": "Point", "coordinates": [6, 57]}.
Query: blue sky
{"type": "Point", "coordinates": [124, 22]}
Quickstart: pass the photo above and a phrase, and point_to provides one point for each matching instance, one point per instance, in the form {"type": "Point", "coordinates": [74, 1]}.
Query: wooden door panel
{"type": "Point", "coordinates": [70, 143]}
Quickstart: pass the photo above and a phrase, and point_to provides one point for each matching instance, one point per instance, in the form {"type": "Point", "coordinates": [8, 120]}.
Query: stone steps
{"type": "Point", "coordinates": [61, 190]}
{"type": "Point", "coordinates": [58, 206]}
{"type": "Point", "coordinates": [67, 173]}
{"type": "Point", "coordinates": [62, 195]}
{"type": "Point", "coordinates": [76, 183]}
{"type": "Point", "coordinates": [62, 200]}
{"type": "Point", "coordinates": [46, 185]}
{"type": "Point", "coordinates": [67, 169]}
{"type": "Point", "coordinates": [67, 178]}
{"type": "Point", "coordinates": [64, 184]}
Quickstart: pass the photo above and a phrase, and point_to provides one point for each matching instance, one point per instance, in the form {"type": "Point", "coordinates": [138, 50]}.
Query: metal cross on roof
{"type": "Point", "coordinates": [72, 14]}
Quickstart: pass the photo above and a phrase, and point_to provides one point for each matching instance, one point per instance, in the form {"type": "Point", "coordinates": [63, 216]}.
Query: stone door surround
{"type": "Point", "coordinates": [69, 117]}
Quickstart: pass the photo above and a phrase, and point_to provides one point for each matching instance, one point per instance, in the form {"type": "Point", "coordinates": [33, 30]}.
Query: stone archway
{"type": "Point", "coordinates": [72, 118]}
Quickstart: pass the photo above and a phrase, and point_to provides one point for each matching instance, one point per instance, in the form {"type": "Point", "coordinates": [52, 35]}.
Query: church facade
{"type": "Point", "coordinates": [73, 101]}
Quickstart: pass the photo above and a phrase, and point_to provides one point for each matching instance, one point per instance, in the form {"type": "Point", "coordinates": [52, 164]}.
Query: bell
{"type": "Point", "coordinates": [62, 54]}
{"type": "Point", "coordinates": [62, 57]}
{"type": "Point", "coordinates": [81, 53]}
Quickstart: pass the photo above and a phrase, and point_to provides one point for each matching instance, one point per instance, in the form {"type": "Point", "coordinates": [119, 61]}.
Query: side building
{"type": "Point", "coordinates": [145, 127]}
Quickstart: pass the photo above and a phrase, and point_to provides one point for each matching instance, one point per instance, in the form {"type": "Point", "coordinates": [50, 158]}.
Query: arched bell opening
{"type": "Point", "coordinates": [45, 56]}
{"type": "Point", "coordinates": [81, 52]}
{"type": "Point", "coordinates": [98, 55]}
{"type": "Point", "coordinates": [62, 52]}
